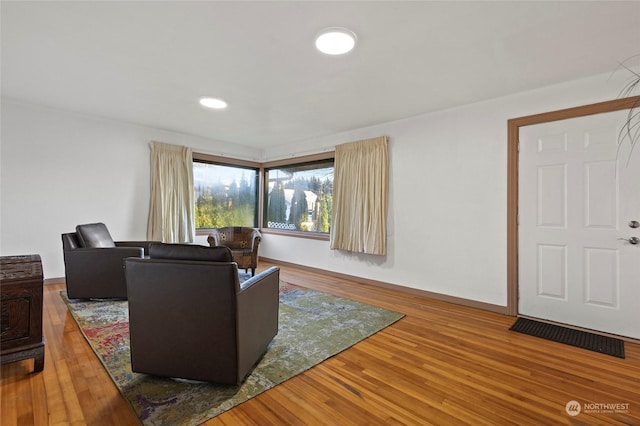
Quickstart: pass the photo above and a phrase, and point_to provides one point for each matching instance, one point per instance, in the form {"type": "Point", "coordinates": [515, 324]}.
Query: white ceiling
{"type": "Point", "coordinates": [148, 62]}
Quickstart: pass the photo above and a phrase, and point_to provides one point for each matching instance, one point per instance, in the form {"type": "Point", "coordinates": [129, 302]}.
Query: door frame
{"type": "Point", "coordinates": [513, 130]}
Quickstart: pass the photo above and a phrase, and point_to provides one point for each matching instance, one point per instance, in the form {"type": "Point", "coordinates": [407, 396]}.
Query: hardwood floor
{"type": "Point", "coordinates": [441, 364]}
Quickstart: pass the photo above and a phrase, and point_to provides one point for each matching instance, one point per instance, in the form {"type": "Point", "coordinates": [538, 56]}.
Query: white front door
{"type": "Point", "coordinates": [578, 198]}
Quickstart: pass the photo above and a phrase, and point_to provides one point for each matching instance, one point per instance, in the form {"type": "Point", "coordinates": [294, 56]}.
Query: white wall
{"type": "Point", "coordinates": [447, 216]}
{"type": "Point", "coordinates": [60, 169]}
{"type": "Point", "coordinates": [448, 195]}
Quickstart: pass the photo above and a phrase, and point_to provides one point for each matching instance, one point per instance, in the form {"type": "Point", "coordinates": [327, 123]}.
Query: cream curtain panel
{"type": "Point", "coordinates": [171, 213]}
{"type": "Point", "coordinates": [360, 197]}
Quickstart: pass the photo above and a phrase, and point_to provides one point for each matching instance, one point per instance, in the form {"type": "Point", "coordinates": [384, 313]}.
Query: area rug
{"type": "Point", "coordinates": [313, 326]}
{"type": "Point", "coordinates": [581, 339]}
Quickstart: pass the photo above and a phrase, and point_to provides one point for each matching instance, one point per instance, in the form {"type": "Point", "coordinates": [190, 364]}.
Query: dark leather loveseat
{"type": "Point", "coordinates": [94, 263]}
{"type": "Point", "coordinates": [191, 318]}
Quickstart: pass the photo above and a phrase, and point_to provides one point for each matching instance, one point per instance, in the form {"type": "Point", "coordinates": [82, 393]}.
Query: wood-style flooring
{"type": "Point", "coordinates": [442, 364]}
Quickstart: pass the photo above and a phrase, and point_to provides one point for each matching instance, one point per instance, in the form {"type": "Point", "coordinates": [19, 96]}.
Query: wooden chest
{"type": "Point", "coordinates": [21, 310]}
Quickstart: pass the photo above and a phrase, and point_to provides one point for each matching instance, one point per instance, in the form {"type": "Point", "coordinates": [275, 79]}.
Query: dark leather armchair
{"type": "Point", "coordinates": [243, 242]}
{"type": "Point", "coordinates": [93, 262]}
{"type": "Point", "coordinates": [189, 316]}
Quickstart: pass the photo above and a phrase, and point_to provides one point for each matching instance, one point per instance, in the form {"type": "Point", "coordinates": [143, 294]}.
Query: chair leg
{"type": "Point", "coordinates": [253, 272]}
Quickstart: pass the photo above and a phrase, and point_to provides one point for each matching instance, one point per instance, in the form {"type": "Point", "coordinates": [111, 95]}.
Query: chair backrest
{"type": "Point", "coordinates": [190, 252]}
{"type": "Point", "coordinates": [192, 304]}
{"type": "Point", "coordinates": [94, 235]}
{"type": "Point", "coordinates": [237, 237]}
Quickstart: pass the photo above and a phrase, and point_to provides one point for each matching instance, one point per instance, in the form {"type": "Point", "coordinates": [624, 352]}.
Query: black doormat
{"type": "Point", "coordinates": [569, 336]}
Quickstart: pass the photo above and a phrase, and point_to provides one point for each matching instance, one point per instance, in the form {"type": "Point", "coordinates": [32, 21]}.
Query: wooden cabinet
{"type": "Point", "coordinates": [21, 310]}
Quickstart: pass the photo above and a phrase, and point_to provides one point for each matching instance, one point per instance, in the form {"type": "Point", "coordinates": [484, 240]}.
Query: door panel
{"type": "Point", "coordinates": [552, 195]}
{"type": "Point", "coordinates": [577, 195]}
{"type": "Point", "coordinates": [601, 195]}
{"type": "Point", "coordinates": [601, 277]}
{"type": "Point", "coordinates": [552, 267]}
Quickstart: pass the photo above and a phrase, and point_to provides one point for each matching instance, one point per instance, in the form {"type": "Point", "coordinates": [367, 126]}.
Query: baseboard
{"type": "Point", "coordinates": [407, 290]}
{"type": "Point", "coordinates": [374, 283]}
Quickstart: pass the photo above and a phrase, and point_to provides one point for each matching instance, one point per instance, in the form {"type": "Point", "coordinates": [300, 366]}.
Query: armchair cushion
{"type": "Point", "coordinates": [94, 235]}
{"type": "Point", "coordinates": [190, 252]}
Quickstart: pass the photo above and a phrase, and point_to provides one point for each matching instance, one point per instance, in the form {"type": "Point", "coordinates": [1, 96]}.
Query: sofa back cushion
{"type": "Point", "coordinates": [94, 235]}
{"type": "Point", "coordinates": [189, 252]}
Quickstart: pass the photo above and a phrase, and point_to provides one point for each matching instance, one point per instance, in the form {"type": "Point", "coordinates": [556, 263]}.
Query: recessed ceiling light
{"type": "Point", "coordinates": [213, 103]}
{"type": "Point", "coordinates": [335, 41]}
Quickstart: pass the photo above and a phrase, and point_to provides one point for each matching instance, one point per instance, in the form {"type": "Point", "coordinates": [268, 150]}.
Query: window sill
{"type": "Point", "coordinates": [203, 232]}
{"type": "Point", "coordinates": [297, 234]}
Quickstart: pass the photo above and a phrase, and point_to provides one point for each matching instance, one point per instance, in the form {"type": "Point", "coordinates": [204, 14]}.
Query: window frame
{"type": "Point", "coordinates": [233, 162]}
{"type": "Point", "coordinates": [262, 188]}
{"type": "Point", "coordinates": [293, 161]}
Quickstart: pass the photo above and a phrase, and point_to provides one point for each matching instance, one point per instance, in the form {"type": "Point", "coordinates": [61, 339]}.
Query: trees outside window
{"type": "Point", "coordinates": [226, 195]}
{"type": "Point", "coordinates": [299, 197]}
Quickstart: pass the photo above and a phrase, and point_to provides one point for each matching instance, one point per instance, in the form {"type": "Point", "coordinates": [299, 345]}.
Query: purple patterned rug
{"type": "Point", "coordinates": [313, 326]}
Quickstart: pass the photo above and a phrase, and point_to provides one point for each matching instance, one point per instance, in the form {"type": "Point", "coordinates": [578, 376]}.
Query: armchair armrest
{"type": "Point", "coordinates": [98, 258]}
{"type": "Point", "coordinates": [214, 238]}
{"type": "Point", "coordinates": [256, 237]}
{"type": "Point", "coordinates": [99, 270]}
{"type": "Point", "coordinates": [258, 306]}
{"type": "Point", "coordinates": [144, 244]}
{"type": "Point", "coordinates": [271, 275]}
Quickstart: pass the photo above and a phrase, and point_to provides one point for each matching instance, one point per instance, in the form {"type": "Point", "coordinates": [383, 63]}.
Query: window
{"type": "Point", "coordinates": [294, 195]}
{"type": "Point", "coordinates": [299, 197]}
{"type": "Point", "coordinates": [226, 194]}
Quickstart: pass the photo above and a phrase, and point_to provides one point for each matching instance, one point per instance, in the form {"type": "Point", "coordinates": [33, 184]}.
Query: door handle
{"type": "Point", "coordinates": [631, 240]}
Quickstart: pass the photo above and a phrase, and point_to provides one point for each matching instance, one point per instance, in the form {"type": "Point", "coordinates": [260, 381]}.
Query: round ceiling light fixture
{"type": "Point", "coordinates": [335, 41]}
{"type": "Point", "coordinates": [213, 103]}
